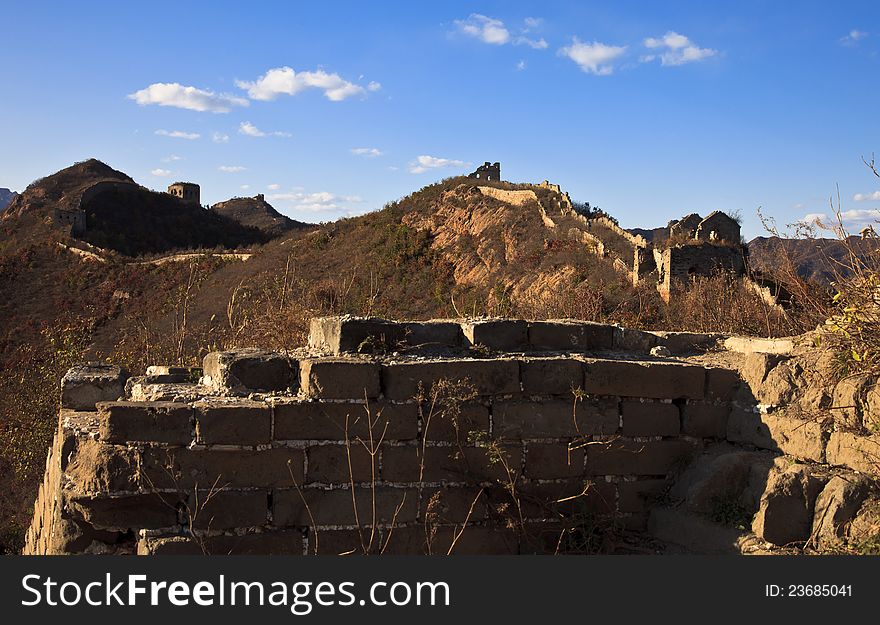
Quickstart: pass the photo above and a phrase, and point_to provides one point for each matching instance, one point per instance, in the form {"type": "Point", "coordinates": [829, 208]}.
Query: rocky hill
{"type": "Point", "coordinates": [816, 260]}
{"type": "Point", "coordinates": [256, 212]}
{"type": "Point", "coordinates": [6, 196]}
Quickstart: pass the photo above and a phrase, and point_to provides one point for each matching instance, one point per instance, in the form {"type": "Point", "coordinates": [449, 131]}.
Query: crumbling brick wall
{"type": "Point", "coordinates": [415, 446]}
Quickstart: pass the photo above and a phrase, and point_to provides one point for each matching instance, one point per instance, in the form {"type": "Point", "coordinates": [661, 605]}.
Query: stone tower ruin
{"type": "Point", "coordinates": [186, 191]}
{"type": "Point", "coordinates": [487, 171]}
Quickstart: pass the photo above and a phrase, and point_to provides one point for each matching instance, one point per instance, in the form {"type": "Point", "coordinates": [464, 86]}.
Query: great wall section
{"type": "Point", "coordinates": [478, 436]}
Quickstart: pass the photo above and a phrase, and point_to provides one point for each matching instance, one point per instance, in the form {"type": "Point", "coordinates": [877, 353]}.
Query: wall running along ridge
{"type": "Point", "coordinates": [382, 437]}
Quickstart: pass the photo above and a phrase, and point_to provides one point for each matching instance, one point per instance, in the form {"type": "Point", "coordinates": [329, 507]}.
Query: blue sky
{"type": "Point", "coordinates": [650, 110]}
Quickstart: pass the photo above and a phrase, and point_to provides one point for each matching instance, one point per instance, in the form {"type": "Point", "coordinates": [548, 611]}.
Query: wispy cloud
{"type": "Point", "coordinates": [190, 98]}
{"type": "Point", "coordinates": [249, 130]}
{"type": "Point", "coordinates": [675, 49]}
{"type": "Point", "coordinates": [161, 173]}
{"type": "Point", "coordinates": [853, 37]}
{"type": "Point", "coordinates": [286, 81]}
{"type": "Point", "coordinates": [273, 186]}
{"type": "Point", "coordinates": [494, 31]}
{"type": "Point", "coordinates": [853, 220]}
{"type": "Point", "coordinates": [171, 158]}
{"type": "Point", "coordinates": [231, 169]}
{"type": "Point", "coordinates": [219, 137]}
{"type": "Point", "coordinates": [423, 163]}
{"type": "Point", "coordinates": [593, 58]}
{"type": "Point", "coordinates": [521, 66]}
{"type": "Point", "coordinates": [178, 134]}
{"type": "Point", "coordinates": [368, 152]}
{"type": "Point", "coordinates": [874, 196]}
{"type": "Point", "coordinates": [320, 201]}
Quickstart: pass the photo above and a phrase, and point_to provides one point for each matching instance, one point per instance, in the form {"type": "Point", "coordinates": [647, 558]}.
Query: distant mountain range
{"type": "Point", "coordinates": [6, 196]}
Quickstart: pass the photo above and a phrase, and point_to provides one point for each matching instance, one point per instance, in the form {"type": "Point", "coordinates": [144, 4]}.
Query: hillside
{"type": "Point", "coordinates": [256, 212]}
{"type": "Point", "coordinates": [816, 260]}
{"type": "Point", "coordinates": [6, 196]}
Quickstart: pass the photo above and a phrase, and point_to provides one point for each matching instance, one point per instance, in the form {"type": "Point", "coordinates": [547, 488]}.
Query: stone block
{"type": "Point", "coordinates": [451, 464]}
{"type": "Point", "coordinates": [644, 379]}
{"type": "Point", "coordinates": [556, 418]}
{"type": "Point", "coordinates": [553, 460]}
{"type": "Point", "coordinates": [650, 419]}
{"type": "Point", "coordinates": [156, 422]}
{"type": "Point", "coordinates": [85, 385]}
{"type": "Point", "coordinates": [627, 457]}
{"type": "Point", "coordinates": [501, 335]}
{"type": "Point", "coordinates": [362, 335]}
{"type": "Point", "coordinates": [786, 512]}
{"type": "Point", "coordinates": [704, 420]}
{"type": "Point", "coordinates": [551, 376]}
{"type": "Point", "coordinates": [185, 469]}
{"type": "Point", "coordinates": [339, 464]}
{"type": "Point", "coordinates": [860, 453]}
{"type": "Point", "coordinates": [246, 370]}
{"type": "Point", "coordinates": [321, 420]}
{"type": "Point", "coordinates": [640, 495]}
{"type": "Point", "coordinates": [631, 340]}
{"type": "Point", "coordinates": [226, 509]}
{"type": "Point", "coordinates": [570, 336]}
{"type": "Point", "coordinates": [455, 423]}
{"type": "Point", "coordinates": [233, 423]}
{"type": "Point", "coordinates": [401, 381]}
{"type": "Point", "coordinates": [126, 512]}
{"type": "Point", "coordinates": [340, 378]}
{"type": "Point", "coordinates": [795, 437]}
{"type": "Point", "coordinates": [337, 506]}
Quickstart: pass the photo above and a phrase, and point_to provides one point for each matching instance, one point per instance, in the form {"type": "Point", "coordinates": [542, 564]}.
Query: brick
{"type": "Point", "coordinates": [643, 379]}
{"type": "Point", "coordinates": [704, 420]}
{"type": "Point", "coordinates": [472, 540]}
{"type": "Point", "coordinates": [567, 336]}
{"type": "Point", "coordinates": [335, 507]}
{"type": "Point", "coordinates": [554, 418]}
{"type": "Point", "coordinates": [227, 468]}
{"type": "Point", "coordinates": [626, 457]}
{"type": "Point", "coordinates": [226, 509]}
{"type": "Point", "coordinates": [639, 495]}
{"type": "Point", "coordinates": [337, 335]}
{"type": "Point", "coordinates": [467, 464]}
{"type": "Point", "coordinates": [287, 542]}
{"type": "Point", "coordinates": [85, 385]}
{"type": "Point", "coordinates": [432, 335]}
{"type": "Point", "coordinates": [126, 512]}
{"type": "Point", "coordinates": [551, 376]}
{"type": "Point", "coordinates": [342, 542]}
{"type": "Point", "coordinates": [575, 499]}
{"type": "Point", "coordinates": [631, 340]}
{"type": "Point", "coordinates": [650, 419]}
{"type": "Point", "coordinates": [860, 453]}
{"type": "Point", "coordinates": [245, 370]}
{"type": "Point", "coordinates": [315, 420]}
{"type": "Point", "coordinates": [453, 505]}
{"type": "Point", "coordinates": [337, 464]}
{"type": "Point", "coordinates": [400, 381]}
{"type": "Point", "coordinates": [553, 460]}
{"type": "Point", "coordinates": [456, 424]}
{"type": "Point", "coordinates": [157, 422]}
{"type": "Point", "coordinates": [502, 335]}
{"type": "Point", "coordinates": [722, 384]}
{"type": "Point", "coordinates": [99, 468]}
{"type": "Point", "coordinates": [239, 423]}
{"type": "Point", "coordinates": [339, 378]}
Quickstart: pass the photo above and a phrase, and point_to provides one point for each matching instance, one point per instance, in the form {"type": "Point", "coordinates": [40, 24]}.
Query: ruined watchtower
{"type": "Point", "coordinates": [487, 171]}
{"type": "Point", "coordinates": [186, 191]}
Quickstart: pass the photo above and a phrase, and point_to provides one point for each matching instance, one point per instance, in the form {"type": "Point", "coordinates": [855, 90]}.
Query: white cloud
{"type": "Point", "coordinates": [231, 169]}
{"type": "Point", "coordinates": [675, 49]}
{"type": "Point", "coordinates": [178, 134]}
{"type": "Point", "coordinates": [368, 152]}
{"type": "Point", "coordinates": [172, 158]}
{"type": "Point", "coordinates": [486, 29]}
{"type": "Point", "coordinates": [176, 95]}
{"type": "Point", "coordinates": [248, 129]}
{"type": "Point", "coordinates": [494, 32]}
{"type": "Point", "coordinates": [219, 137]}
{"type": "Point", "coordinates": [853, 220]}
{"type": "Point", "coordinates": [286, 81]}
{"type": "Point", "coordinates": [593, 58]}
{"type": "Point", "coordinates": [853, 37]}
{"type": "Point", "coordinates": [520, 66]}
{"type": "Point", "coordinates": [874, 196]}
{"type": "Point", "coordinates": [161, 173]}
{"type": "Point", "coordinates": [321, 201]}
{"type": "Point", "coordinates": [245, 187]}
{"type": "Point", "coordinates": [424, 163]}
{"type": "Point", "coordinates": [273, 187]}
